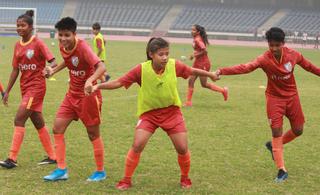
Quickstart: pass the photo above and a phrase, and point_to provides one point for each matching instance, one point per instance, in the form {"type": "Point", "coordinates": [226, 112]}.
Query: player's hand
{"type": "Point", "coordinates": [88, 87]}
{"type": "Point", "coordinates": [94, 88]}
{"type": "Point", "coordinates": [5, 99]}
{"type": "Point", "coordinates": [191, 57]}
{"type": "Point", "coordinates": [214, 76]}
{"type": "Point", "coordinates": [47, 72]}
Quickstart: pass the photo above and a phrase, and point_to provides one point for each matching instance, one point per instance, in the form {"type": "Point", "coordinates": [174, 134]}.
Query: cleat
{"type": "Point", "coordinates": [57, 174]}
{"type": "Point", "coordinates": [225, 93]}
{"type": "Point", "coordinates": [8, 163]}
{"type": "Point", "coordinates": [97, 176]}
{"type": "Point", "coordinates": [124, 184]}
{"type": "Point", "coordinates": [185, 183]}
{"type": "Point", "coordinates": [282, 175]}
{"type": "Point", "coordinates": [47, 161]}
{"type": "Point", "coordinates": [187, 104]}
{"type": "Point", "coordinates": [269, 147]}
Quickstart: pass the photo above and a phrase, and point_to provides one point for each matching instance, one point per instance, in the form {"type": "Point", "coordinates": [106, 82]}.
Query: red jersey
{"type": "Point", "coordinates": [30, 58]}
{"type": "Point", "coordinates": [81, 62]}
{"type": "Point", "coordinates": [281, 82]}
{"type": "Point", "coordinates": [134, 75]}
{"type": "Point", "coordinates": [198, 46]}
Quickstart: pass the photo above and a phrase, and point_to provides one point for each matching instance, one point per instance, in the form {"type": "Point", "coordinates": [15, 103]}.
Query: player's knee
{"type": "Point", "coordinates": [92, 136]}
{"type": "Point", "coordinates": [138, 147]}
{"type": "Point", "coordinates": [276, 132]}
{"type": "Point", "coordinates": [298, 132]}
{"type": "Point", "coordinates": [204, 85]}
{"type": "Point", "coordinates": [19, 121]}
{"type": "Point", "coordinates": [182, 150]}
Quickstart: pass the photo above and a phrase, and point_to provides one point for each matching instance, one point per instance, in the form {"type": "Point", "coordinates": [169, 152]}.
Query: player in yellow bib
{"type": "Point", "coordinates": [99, 47]}
{"type": "Point", "coordinates": [158, 105]}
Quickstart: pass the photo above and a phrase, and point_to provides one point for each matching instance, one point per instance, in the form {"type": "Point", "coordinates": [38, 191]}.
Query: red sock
{"type": "Point", "coordinates": [189, 94]}
{"type": "Point", "coordinates": [60, 147]}
{"type": "Point", "coordinates": [277, 150]}
{"type": "Point", "coordinates": [184, 163]}
{"type": "Point", "coordinates": [132, 161]}
{"type": "Point", "coordinates": [288, 137]}
{"type": "Point", "coordinates": [1, 88]}
{"type": "Point", "coordinates": [16, 142]}
{"type": "Point", "coordinates": [214, 87]}
{"type": "Point", "coordinates": [46, 142]}
{"type": "Point", "coordinates": [98, 150]}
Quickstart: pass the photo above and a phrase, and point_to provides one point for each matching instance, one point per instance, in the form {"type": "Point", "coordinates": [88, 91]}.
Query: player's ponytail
{"type": "Point", "coordinates": [203, 33]}
{"type": "Point", "coordinates": [27, 17]}
{"type": "Point", "coordinates": [154, 44]}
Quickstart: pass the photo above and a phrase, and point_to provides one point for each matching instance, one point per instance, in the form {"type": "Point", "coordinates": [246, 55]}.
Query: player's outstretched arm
{"type": "Point", "coordinates": [101, 68]}
{"type": "Point", "coordinates": [308, 66]}
{"type": "Point", "coordinates": [115, 84]}
{"type": "Point", "coordinates": [198, 72]}
{"type": "Point", "coordinates": [239, 69]}
{"type": "Point", "coordinates": [13, 77]}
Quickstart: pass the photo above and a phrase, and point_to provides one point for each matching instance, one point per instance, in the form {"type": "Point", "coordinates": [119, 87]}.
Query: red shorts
{"type": "Point", "coordinates": [203, 65]}
{"type": "Point", "coordinates": [170, 119]}
{"type": "Point", "coordinates": [87, 108]}
{"type": "Point", "coordinates": [32, 102]}
{"type": "Point", "coordinates": [289, 107]}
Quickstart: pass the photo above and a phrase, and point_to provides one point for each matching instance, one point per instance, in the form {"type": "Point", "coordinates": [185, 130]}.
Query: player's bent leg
{"type": "Point", "coordinates": [180, 142]}
{"type": "Point", "coordinates": [223, 90]}
{"type": "Point", "coordinates": [141, 138]}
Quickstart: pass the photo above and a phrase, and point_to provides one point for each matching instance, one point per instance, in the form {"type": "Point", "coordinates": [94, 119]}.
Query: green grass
{"type": "Point", "coordinates": [226, 138]}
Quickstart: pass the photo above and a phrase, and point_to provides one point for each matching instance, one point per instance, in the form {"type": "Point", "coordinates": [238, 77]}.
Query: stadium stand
{"type": "Point", "coordinates": [222, 19]}
{"type": "Point", "coordinates": [301, 21]}
{"type": "Point", "coordinates": [48, 11]}
{"type": "Point", "coordinates": [126, 15]}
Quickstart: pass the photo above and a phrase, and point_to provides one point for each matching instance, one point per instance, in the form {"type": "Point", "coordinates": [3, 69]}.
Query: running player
{"type": "Point", "coordinates": [281, 94]}
{"type": "Point", "coordinates": [201, 61]}
{"type": "Point", "coordinates": [30, 56]}
{"type": "Point", "coordinates": [158, 105]}
{"type": "Point", "coordinates": [84, 69]}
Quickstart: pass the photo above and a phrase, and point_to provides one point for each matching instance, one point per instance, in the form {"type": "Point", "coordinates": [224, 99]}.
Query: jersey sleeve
{"type": "Point", "coordinates": [45, 51]}
{"type": "Point", "coordinates": [307, 65]}
{"type": "Point", "coordinates": [90, 57]}
{"type": "Point", "coordinates": [242, 68]}
{"type": "Point", "coordinates": [183, 70]}
{"type": "Point", "coordinates": [200, 44]}
{"type": "Point", "coordinates": [133, 76]}
{"type": "Point", "coordinates": [14, 57]}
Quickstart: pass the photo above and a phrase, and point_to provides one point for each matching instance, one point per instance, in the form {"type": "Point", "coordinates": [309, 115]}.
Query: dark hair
{"type": "Point", "coordinates": [27, 17]}
{"type": "Point", "coordinates": [154, 44]}
{"type": "Point", "coordinates": [275, 34]}
{"type": "Point", "coordinates": [66, 23]}
{"type": "Point", "coordinates": [96, 26]}
{"type": "Point", "coordinates": [203, 33]}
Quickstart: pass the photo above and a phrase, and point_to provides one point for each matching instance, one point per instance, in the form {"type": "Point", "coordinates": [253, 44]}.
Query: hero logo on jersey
{"type": "Point", "coordinates": [288, 67]}
{"type": "Point", "coordinates": [75, 61]}
{"type": "Point", "coordinates": [30, 53]}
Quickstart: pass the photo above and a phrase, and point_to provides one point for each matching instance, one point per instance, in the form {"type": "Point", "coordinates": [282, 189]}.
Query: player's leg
{"type": "Point", "coordinates": [205, 84]}
{"type": "Point", "coordinates": [59, 128]}
{"type": "Point", "coordinates": [21, 117]}
{"type": "Point", "coordinates": [98, 151]}
{"type": "Point", "coordinates": [296, 117]}
{"type": "Point", "coordinates": [191, 82]}
{"type": "Point", "coordinates": [1, 90]}
{"type": "Point", "coordinates": [141, 138]}
{"type": "Point", "coordinates": [180, 142]}
{"type": "Point", "coordinates": [38, 122]}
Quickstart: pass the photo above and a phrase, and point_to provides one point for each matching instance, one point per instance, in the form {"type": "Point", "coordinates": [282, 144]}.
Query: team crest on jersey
{"type": "Point", "coordinates": [30, 53]}
{"type": "Point", "coordinates": [288, 67]}
{"type": "Point", "coordinates": [75, 61]}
